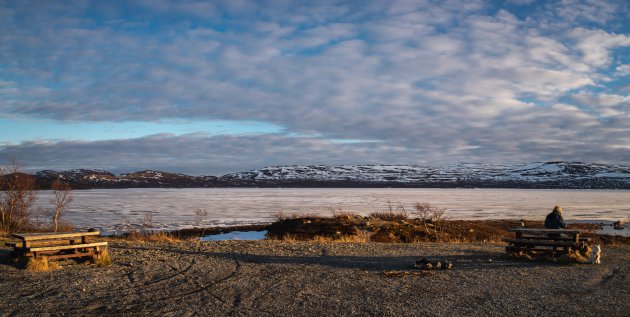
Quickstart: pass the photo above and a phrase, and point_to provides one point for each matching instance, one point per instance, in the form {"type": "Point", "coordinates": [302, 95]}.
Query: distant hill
{"type": "Point", "coordinates": [569, 175]}
{"type": "Point", "coordinates": [535, 175]}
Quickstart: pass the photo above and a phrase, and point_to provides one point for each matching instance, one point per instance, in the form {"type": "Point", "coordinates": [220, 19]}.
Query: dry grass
{"type": "Point", "coordinates": [390, 231]}
{"type": "Point", "coordinates": [397, 273]}
{"type": "Point", "coordinates": [344, 215]}
{"type": "Point", "coordinates": [280, 216]}
{"type": "Point", "coordinates": [389, 215]}
{"type": "Point", "coordinates": [160, 236]}
{"type": "Point", "coordinates": [40, 264]}
{"type": "Point", "coordinates": [359, 237]}
{"type": "Point", "coordinates": [102, 259]}
{"type": "Point", "coordinates": [580, 256]}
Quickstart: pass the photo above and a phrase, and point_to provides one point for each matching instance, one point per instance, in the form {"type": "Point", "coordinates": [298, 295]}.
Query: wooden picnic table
{"type": "Point", "coordinates": [546, 240]}
{"type": "Point", "coordinates": [56, 245]}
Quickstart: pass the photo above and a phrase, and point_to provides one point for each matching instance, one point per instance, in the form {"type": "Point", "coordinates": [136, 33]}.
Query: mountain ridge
{"type": "Point", "coordinates": [557, 174]}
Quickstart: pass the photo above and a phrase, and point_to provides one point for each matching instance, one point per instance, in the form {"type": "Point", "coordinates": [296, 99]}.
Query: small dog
{"type": "Point", "coordinates": [596, 255]}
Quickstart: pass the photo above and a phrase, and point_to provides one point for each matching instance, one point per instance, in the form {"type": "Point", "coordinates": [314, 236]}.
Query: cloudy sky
{"type": "Point", "coordinates": [211, 87]}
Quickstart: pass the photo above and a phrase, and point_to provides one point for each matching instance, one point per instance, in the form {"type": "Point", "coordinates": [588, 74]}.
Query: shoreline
{"type": "Point", "coordinates": [313, 228]}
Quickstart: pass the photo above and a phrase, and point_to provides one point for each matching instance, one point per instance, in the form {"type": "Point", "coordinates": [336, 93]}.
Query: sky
{"type": "Point", "coordinates": [213, 87]}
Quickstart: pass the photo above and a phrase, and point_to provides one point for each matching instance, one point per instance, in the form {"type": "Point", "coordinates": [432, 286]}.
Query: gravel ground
{"type": "Point", "coordinates": [262, 278]}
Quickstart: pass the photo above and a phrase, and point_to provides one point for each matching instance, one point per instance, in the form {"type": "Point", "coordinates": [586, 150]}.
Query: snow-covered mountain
{"type": "Point", "coordinates": [91, 178]}
{"type": "Point", "coordinates": [534, 175]}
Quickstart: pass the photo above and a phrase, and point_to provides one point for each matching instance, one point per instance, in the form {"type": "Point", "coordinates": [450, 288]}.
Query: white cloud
{"type": "Point", "coordinates": [622, 70]}
{"type": "Point", "coordinates": [604, 100]}
{"type": "Point", "coordinates": [445, 73]}
{"type": "Point", "coordinates": [521, 2]}
{"type": "Point", "coordinates": [596, 45]}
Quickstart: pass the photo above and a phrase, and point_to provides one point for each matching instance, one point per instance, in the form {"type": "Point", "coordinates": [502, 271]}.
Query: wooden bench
{"type": "Point", "coordinates": [56, 245]}
{"type": "Point", "coordinates": [550, 241]}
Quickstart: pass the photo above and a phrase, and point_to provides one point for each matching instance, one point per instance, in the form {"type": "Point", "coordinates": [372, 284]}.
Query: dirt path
{"type": "Point", "coordinates": [233, 278]}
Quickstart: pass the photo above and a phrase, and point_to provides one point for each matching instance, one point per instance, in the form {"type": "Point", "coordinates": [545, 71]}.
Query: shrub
{"type": "Point", "coordinates": [391, 214]}
{"type": "Point", "coordinates": [429, 213]}
{"type": "Point", "coordinates": [17, 196]}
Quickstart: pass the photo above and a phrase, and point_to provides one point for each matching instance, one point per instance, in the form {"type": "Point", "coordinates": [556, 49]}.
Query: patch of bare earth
{"type": "Point", "coordinates": [273, 278]}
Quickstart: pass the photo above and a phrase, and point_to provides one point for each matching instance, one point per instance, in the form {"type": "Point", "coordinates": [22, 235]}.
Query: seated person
{"type": "Point", "coordinates": [554, 220]}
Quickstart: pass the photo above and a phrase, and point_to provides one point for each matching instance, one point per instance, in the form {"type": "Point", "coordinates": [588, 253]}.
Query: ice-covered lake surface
{"type": "Point", "coordinates": [114, 210]}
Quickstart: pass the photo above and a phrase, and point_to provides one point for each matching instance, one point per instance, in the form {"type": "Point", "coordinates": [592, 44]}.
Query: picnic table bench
{"type": "Point", "coordinates": [56, 245]}
{"type": "Point", "coordinates": [551, 241]}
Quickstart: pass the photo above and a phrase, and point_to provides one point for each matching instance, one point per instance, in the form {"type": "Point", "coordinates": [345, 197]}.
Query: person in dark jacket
{"type": "Point", "coordinates": [554, 220]}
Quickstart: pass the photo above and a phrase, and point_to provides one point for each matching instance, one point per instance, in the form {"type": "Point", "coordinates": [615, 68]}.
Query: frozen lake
{"type": "Point", "coordinates": [120, 209]}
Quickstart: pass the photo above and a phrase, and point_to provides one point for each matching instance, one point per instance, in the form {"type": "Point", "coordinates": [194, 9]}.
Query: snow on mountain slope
{"type": "Point", "coordinates": [410, 174]}
{"type": "Point", "coordinates": [532, 175]}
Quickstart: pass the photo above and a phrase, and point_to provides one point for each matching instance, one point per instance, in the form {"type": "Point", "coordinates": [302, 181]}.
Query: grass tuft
{"type": "Point", "coordinates": [160, 236]}
{"type": "Point", "coordinates": [389, 215]}
{"type": "Point", "coordinates": [102, 259]}
{"type": "Point", "coordinates": [40, 264]}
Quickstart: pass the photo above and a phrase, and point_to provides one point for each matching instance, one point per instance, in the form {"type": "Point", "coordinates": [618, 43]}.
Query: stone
{"type": "Point", "coordinates": [422, 262]}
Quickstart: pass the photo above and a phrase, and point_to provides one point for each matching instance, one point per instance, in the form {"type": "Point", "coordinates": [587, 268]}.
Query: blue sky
{"type": "Point", "coordinates": [211, 87]}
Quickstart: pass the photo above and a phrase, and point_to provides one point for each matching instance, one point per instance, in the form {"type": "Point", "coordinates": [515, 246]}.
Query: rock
{"type": "Point", "coordinates": [422, 262]}
{"type": "Point", "coordinates": [425, 264]}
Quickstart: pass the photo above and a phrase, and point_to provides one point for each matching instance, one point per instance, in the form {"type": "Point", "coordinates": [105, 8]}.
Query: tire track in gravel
{"type": "Point", "coordinates": [175, 285]}
{"type": "Point", "coordinates": [236, 305]}
{"type": "Point", "coordinates": [129, 275]}
{"type": "Point", "coordinates": [197, 279]}
{"type": "Point", "coordinates": [174, 296]}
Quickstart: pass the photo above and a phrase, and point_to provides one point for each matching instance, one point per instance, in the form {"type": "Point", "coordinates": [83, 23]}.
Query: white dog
{"type": "Point", "coordinates": [595, 255]}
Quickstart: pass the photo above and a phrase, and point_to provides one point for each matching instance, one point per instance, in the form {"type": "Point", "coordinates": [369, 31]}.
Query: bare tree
{"type": "Point", "coordinates": [147, 220]}
{"type": "Point", "coordinates": [17, 196]}
{"type": "Point", "coordinates": [63, 198]}
{"type": "Point", "coordinates": [200, 214]}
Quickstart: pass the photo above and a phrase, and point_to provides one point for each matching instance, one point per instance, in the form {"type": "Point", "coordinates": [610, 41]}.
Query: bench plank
{"type": "Point", "coordinates": [543, 243]}
{"type": "Point", "coordinates": [554, 238]}
{"type": "Point", "coordinates": [539, 250]}
{"type": "Point", "coordinates": [69, 247]}
{"type": "Point", "coordinates": [544, 231]}
{"type": "Point", "coordinates": [89, 253]}
{"type": "Point", "coordinates": [52, 235]}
